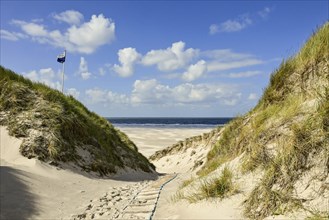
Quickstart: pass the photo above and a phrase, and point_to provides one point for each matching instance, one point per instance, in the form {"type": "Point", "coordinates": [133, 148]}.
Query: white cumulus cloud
{"type": "Point", "coordinates": [106, 97]}
{"type": "Point", "coordinates": [127, 58]}
{"type": "Point", "coordinates": [69, 16]}
{"type": "Point", "coordinates": [32, 29]}
{"type": "Point", "coordinates": [91, 35]}
{"type": "Point", "coordinates": [172, 58]}
{"type": "Point", "coordinates": [153, 92]}
{"type": "Point", "coordinates": [96, 95]}
{"type": "Point", "coordinates": [83, 38]}
{"type": "Point", "coordinates": [195, 71]}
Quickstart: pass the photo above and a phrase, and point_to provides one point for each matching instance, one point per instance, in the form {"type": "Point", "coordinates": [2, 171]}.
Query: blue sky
{"type": "Point", "coordinates": [157, 58]}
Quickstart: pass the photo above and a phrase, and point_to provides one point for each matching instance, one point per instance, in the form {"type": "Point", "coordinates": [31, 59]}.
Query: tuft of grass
{"type": "Point", "coordinates": [219, 187]}
{"type": "Point", "coordinates": [179, 195]}
{"type": "Point", "coordinates": [187, 182]}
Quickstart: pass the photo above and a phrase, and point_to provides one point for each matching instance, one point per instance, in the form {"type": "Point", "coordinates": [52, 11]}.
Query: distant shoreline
{"type": "Point", "coordinates": [169, 122]}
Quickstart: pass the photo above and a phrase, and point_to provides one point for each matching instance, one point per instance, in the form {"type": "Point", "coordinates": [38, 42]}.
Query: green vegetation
{"type": "Point", "coordinates": [55, 126]}
{"type": "Point", "coordinates": [285, 135]}
{"type": "Point", "coordinates": [218, 187]}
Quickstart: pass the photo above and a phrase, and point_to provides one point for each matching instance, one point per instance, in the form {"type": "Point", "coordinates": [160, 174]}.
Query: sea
{"type": "Point", "coordinates": [169, 122]}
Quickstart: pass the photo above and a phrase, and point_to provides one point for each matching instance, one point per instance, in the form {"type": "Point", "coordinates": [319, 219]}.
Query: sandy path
{"type": "Point", "coordinates": [137, 201]}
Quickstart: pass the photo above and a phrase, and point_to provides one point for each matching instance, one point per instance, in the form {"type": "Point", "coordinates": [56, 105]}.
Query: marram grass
{"type": "Point", "coordinates": [54, 126]}
{"type": "Point", "coordinates": [281, 135]}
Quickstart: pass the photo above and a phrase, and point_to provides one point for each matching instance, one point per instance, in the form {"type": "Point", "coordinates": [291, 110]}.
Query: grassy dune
{"type": "Point", "coordinates": [286, 135]}
{"type": "Point", "coordinates": [58, 128]}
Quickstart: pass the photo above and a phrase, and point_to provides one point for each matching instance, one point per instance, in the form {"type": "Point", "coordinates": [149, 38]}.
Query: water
{"type": "Point", "coordinates": [169, 122]}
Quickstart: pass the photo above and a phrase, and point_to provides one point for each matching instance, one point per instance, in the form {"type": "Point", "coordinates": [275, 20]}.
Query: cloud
{"type": "Point", "coordinates": [245, 74]}
{"type": "Point", "coordinates": [153, 92]}
{"type": "Point", "coordinates": [265, 12]}
{"type": "Point", "coordinates": [195, 71]}
{"type": "Point", "coordinates": [219, 66]}
{"type": "Point", "coordinates": [234, 25]}
{"type": "Point", "coordinates": [96, 95]}
{"type": "Point", "coordinates": [241, 22]}
{"type": "Point", "coordinates": [91, 35]}
{"type": "Point", "coordinates": [12, 36]}
{"type": "Point", "coordinates": [172, 58]}
{"type": "Point", "coordinates": [104, 96]}
{"type": "Point", "coordinates": [176, 57]}
{"type": "Point", "coordinates": [69, 16]}
{"type": "Point", "coordinates": [46, 76]}
{"type": "Point", "coordinates": [225, 55]}
{"type": "Point", "coordinates": [253, 96]}
{"type": "Point", "coordinates": [73, 92]}
{"type": "Point", "coordinates": [84, 38]}
{"type": "Point", "coordinates": [127, 58]}
{"type": "Point", "coordinates": [31, 29]}
{"type": "Point", "coordinates": [226, 59]}
{"type": "Point", "coordinates": [213, 29]}
{"type": "Point", "coordinates": [101, 71]}
{"type": "Point", "coordinates": [83, 69]}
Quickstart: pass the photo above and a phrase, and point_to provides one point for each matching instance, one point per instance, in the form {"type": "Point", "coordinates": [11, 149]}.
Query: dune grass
{"type": "Point", "coordinates": [217, 187]}
{"type": "Point", "coordinates": [293, 117]}
{"type": "Point", "coordinates": [63, 123]}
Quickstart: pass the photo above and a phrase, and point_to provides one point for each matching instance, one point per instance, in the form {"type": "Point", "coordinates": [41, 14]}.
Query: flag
{"type": "Point", "coordinates": [61, 57]}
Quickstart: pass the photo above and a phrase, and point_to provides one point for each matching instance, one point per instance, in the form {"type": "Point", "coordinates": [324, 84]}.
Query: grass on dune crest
{"type": "Point", "coordinates": [62, 123]}
{"type": "Point", "coordinates": [285, 132]}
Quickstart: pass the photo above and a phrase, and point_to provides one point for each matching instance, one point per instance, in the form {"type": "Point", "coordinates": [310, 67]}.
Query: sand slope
{"type": "Point", "coordinates": [32, 189]}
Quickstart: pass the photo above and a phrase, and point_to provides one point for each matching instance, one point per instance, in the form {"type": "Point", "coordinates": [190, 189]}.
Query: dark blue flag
{"type": "Point", "coordinates": [61, 57]}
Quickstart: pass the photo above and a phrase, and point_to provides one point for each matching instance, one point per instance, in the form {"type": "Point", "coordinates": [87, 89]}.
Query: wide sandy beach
{"type": "Point", "coordinates": [151, 139]}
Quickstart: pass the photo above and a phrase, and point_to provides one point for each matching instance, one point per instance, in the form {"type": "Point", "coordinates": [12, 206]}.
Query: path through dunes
{"type": "Point", "coordinates": [136, 201]}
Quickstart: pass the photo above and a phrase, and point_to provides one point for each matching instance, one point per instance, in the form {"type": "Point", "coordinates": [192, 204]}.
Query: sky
{"type": "Point", "coordinates": [157, 58]}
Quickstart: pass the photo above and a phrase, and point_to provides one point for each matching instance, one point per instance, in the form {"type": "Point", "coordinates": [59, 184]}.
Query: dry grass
{"type": "Point", "coordinates": [218, 187]}
{"type": "Point", "coordinates": [281, 119]}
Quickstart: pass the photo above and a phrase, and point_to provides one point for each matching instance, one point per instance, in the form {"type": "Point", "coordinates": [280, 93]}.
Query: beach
{"type": "Point", "coordinates": [48, 192]}
{"type": "Point", "coordinates": [151, 139]}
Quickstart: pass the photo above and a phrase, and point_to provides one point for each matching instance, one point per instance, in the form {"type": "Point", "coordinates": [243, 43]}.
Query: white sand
{"type": "Point", "coordinates": [149, 140]}
{"type": "Point", "coordinates": [32, 189]}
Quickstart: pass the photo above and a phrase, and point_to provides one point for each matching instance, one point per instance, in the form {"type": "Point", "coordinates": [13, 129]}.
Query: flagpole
{"type": "Point", "coordinates": [63, 63]}
{"type": "Point", "coordinates": [63, 77]}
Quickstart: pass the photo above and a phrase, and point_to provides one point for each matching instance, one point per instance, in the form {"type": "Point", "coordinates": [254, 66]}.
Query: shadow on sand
{"type": "Point", "coordinates": [16, 200]}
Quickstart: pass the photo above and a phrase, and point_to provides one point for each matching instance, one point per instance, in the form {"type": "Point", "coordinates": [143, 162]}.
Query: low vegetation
{"type": "Point", "coordinates": [58, 128]}
{"type": "Point", "coordinates": [285, 135]}
{"type": "Point", "coordinates": [215, 187]}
